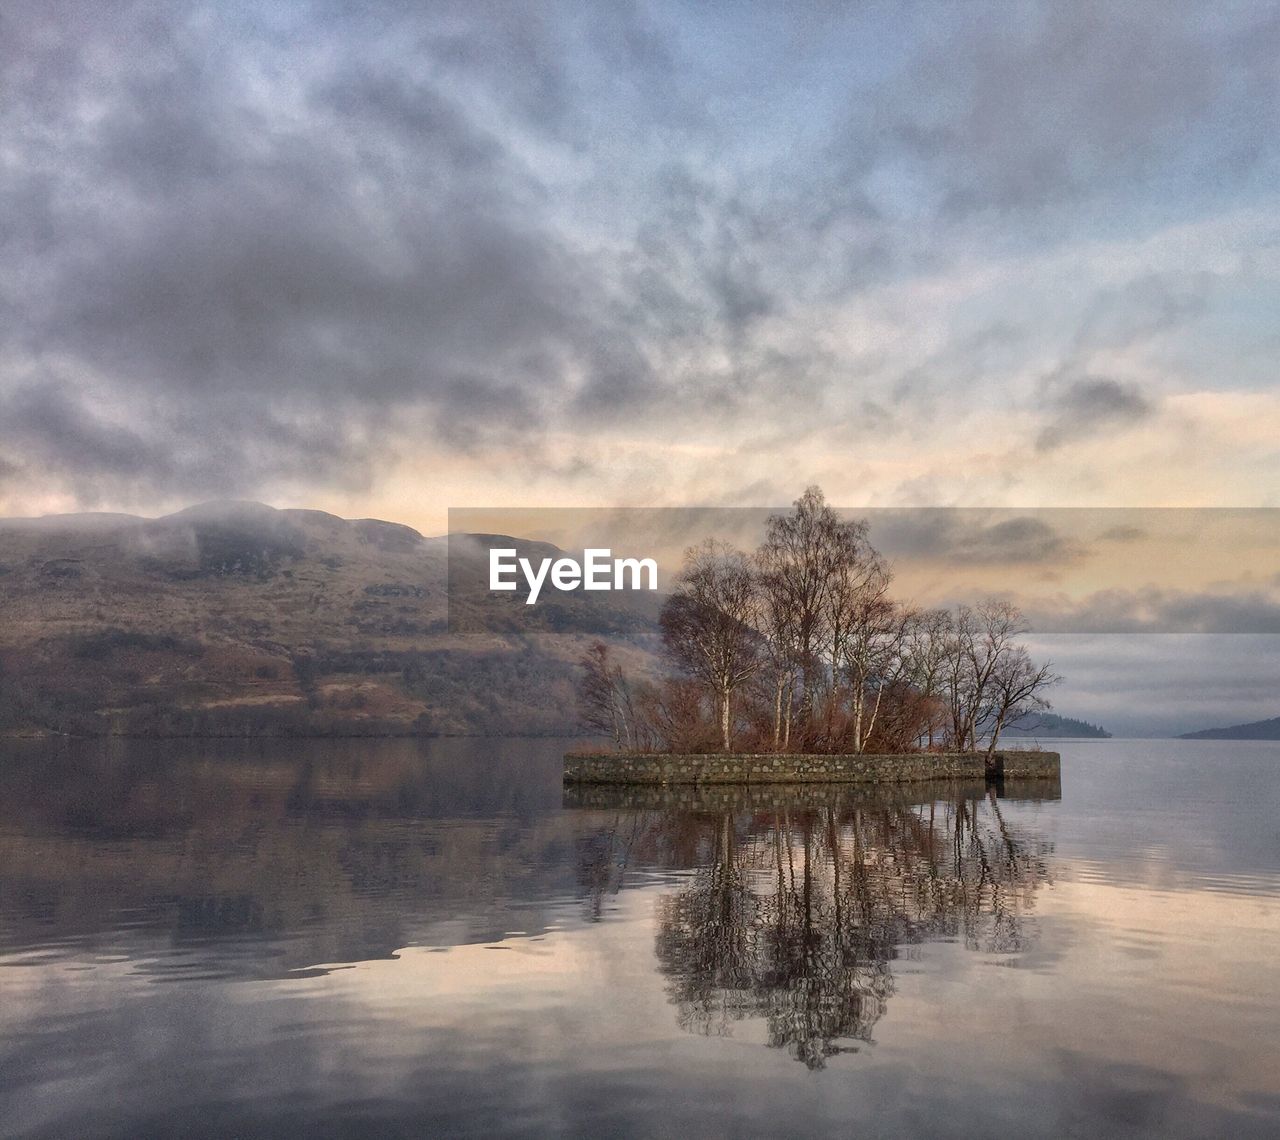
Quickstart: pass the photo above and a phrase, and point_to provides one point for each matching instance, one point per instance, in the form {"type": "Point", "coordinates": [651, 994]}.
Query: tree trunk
{"type": "Point", "coordinates": [859, 700]}
{"type": "Point", "coordinates": [871, 722]}
{"type": "Point", "coordinates": [995, 735]}
{"type": "Point", "coordinates": [777, 709]}
{"type": "Point", "coordinates": [786, 722]}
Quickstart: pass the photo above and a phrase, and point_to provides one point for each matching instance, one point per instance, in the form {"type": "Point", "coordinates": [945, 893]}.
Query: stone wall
{"type": "Point", "coordinates": [775, 797]}
{"type": "Point", "coordinates": [771, 768]}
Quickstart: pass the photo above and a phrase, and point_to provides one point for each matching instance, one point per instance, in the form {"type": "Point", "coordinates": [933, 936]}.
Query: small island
{"type": "Point", "coordinates": [794, 665]}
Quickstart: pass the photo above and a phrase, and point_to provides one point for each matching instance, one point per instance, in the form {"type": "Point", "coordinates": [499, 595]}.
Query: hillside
{"type": "Point", "coordinates": [1047, 724]}
{"type": "Point", "coordinates": [1254, 730]}
{"type": "Point", "coordinates": [237, 618]}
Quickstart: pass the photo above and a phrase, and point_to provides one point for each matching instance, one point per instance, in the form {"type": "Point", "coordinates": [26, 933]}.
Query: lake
{"type": "Point", "coordinates": [431, 938]}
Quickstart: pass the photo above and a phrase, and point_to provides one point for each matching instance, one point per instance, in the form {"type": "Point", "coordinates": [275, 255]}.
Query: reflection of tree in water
{"type": "Point", "coordinates": [794, 916]}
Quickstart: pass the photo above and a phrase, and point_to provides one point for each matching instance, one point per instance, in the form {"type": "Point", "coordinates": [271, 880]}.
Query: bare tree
{"type": "Point", "coordinates": [812, 617]}
{"type": "Point", "coordinates": [777, 628]}
{"type": "Point", "coordinates": [980, 644]}
{"type": "Point", "coordinates": [796, 562]}
{"type": "Point", "coordinates": [604, 697]}
{"type": "Point", "coordinates": [670, 715]}
{"type": "Point", "coordinates": [958, 678]}
{"type": "Point", "coordinates": [856, 596]}
{"type": "Point", "coordinates": [873, 659]}
{"type": "Point", "coordinates": [708, 624]}
{"type": "Point", "coordinates": [1017, 688]}
{"type": "Point", "coordinates": [925, 659]}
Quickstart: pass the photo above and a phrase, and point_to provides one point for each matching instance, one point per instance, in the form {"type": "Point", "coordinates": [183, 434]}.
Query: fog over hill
{"type": "Point", "coordinates": [238, 618]}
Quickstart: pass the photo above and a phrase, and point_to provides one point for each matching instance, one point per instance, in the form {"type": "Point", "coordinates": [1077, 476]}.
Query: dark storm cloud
{"type": "Point", "coordinates": [1089, 407]}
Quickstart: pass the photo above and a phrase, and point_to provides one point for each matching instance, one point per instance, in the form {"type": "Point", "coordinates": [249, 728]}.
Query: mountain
{"type": "Point", "coordinates": [1048, 724]}
{"type": "Point", "coordinates": [234, 618]}
{"type": "Point", "coordinates": [1254, 730]}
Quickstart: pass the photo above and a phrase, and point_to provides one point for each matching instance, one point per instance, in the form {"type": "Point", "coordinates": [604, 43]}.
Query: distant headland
{"type": "Point", "coordinates": [1254, 730]}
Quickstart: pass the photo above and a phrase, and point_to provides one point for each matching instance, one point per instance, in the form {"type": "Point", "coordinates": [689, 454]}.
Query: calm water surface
{"type": "Point", "coordinates": [430, 938]}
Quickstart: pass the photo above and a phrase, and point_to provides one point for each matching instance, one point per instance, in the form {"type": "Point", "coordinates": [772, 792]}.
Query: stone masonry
{"type": "Point", "coordinates": [772, 768]}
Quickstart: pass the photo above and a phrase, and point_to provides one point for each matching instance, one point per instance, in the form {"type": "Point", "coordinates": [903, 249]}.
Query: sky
{"type": "Point", "coordinates": [388, 259]}
{"type": "Point", "coordinates": [385, 259]}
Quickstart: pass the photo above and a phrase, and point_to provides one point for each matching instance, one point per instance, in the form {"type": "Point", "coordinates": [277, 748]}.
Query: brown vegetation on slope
{"type": "Point", "coordinates": [238, 619]}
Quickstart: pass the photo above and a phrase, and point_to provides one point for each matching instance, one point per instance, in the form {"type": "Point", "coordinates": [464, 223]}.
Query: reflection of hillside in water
{"type": "Point", "coordinates": [794, 914]}
{"type": "Point", "coordinates": [269, 858]}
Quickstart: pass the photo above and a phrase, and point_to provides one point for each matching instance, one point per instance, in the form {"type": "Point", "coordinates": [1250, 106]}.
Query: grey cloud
{"type": "Point", "coordinates": [567, 73]}
{"type": "Point", "coordinates": [1081, 404]}
{"type": "Point", "coordinates": [250, 242]}
{"type": "Point", "coordinates": [312, 263]}
{"type": "Point", "coordinates": [1140, 310]}
{"type": "Point", "coordinates": [621, 381]}
{"type": "Point", "coordinates": [50, 422]}
{"type": "Point", "coordinates": [1164, 684]}
{"type": "Point", "coordinates": [214, 450]}
{"type": "Point", "coordinates": [1156, 610]}
{"type": "Point", "coordinates": [959, 363]}
{"type": "Point", "coordinates": [379, 254]}
{"type": "Point", "coordinates": [704, 246]}
{"type": "Point", "coordinates": [1058, 102]}
{"type": "Point", "coordinates": [398, 109]}
{"type": "Point", "coordinates": [260, 236]}
{"type": "Point", "coordinates": [1123, 534]}
{"type": "Point", "coordinates": [1089, 407]}
{"type": "Point", "coordinates": [971, 536]}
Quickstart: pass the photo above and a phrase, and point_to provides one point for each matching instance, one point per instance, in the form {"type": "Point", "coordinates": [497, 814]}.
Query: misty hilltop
{"type": "Point", "coordinates": [235, 618]}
